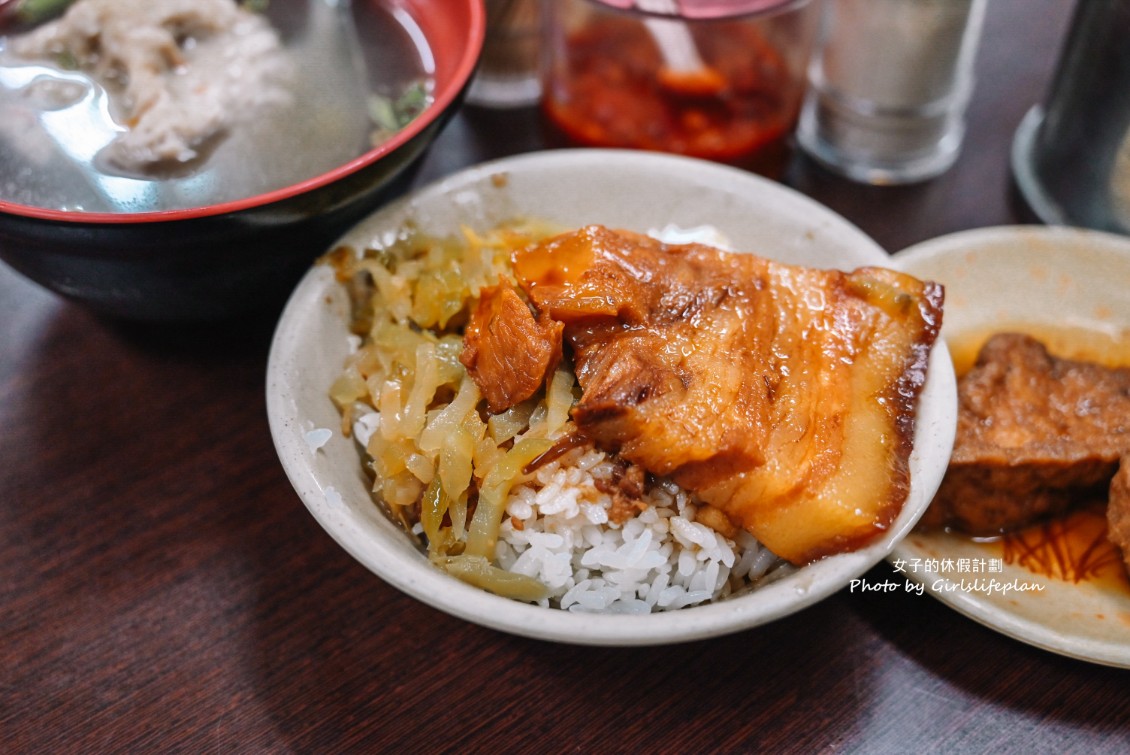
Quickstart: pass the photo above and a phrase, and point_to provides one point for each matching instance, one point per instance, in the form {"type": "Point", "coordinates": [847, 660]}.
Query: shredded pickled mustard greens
{"type": "Point", "coordinates": [438, 458]}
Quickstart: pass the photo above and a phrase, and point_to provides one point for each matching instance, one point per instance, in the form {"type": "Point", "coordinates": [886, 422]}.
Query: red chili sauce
{"type": "Point", "coordinates": [613, 90]}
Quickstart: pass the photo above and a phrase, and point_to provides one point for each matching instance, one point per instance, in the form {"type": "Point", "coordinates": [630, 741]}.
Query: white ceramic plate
{"type": "Point", "coordinates": [1030, 279]}
{"type": "Point", "coordinates": [632, 190]}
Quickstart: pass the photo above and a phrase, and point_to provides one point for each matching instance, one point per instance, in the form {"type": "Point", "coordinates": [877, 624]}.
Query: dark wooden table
{"type": "Point", "coordinates": [162, 588]}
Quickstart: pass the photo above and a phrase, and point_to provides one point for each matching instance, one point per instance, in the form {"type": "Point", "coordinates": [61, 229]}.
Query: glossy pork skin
{"type": "Point", "coordinates": [783, 396]}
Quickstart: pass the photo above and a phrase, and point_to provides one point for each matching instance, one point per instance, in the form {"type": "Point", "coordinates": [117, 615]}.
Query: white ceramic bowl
{"type": "Point", "coordinates": [633, 190]}
{"type": "Point", "coordinates": [1031, 279]}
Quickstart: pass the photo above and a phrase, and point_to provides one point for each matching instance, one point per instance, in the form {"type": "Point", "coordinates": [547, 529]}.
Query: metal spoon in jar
{"type": "Point", "coordinates": [684, 71]}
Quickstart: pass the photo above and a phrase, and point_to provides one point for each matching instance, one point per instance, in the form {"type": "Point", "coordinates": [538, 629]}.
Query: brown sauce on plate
{"type": "Point", "coordinates": [1071, 548]}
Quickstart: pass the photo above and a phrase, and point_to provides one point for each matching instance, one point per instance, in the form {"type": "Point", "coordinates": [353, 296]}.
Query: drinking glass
{"type": "Point", "coordinates": [889, 87]}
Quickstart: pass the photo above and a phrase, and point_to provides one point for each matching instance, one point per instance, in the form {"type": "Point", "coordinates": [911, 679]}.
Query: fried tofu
{"type": "Point", "coordinates": [1035, 433]}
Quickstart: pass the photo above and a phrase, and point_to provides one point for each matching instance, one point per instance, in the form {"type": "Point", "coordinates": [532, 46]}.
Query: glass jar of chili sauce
{"type": "Point", "coordinates": [716, 79]}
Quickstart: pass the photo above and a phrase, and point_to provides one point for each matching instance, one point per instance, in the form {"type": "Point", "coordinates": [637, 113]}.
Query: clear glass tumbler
{"type": "Point", "coordinates": [889, 87]}
{"type": "Point", "coordinates": [716, 80]}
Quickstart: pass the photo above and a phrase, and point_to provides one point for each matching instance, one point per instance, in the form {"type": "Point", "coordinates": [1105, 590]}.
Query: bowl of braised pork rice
{"type": "Point", "coordinates": [612, 397]}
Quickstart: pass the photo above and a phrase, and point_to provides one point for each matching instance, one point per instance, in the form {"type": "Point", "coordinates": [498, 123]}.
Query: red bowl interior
{"type": "Point", "coordinates": [454, 30]}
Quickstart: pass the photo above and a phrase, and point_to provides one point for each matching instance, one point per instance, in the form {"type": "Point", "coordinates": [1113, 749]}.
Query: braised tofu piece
{"type": "Point", "coordinates": [784, 396]}
{"type": "Point", "coordinates": [506, 351]}
{"type": "Point", "coordinates": [1035, 433]}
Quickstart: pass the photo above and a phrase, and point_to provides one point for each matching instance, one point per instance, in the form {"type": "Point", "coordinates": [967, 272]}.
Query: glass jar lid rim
{"type": "Point", "coordinates": [705, 9]}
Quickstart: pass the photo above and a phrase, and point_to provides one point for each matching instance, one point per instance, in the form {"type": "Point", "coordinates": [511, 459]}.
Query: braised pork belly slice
{"type": "Point", "coordinates": [506, 351]}
{"type": "Point", "coordinates": [1035, 433]}
{"type": "Point", "coordinates": [783, 396]}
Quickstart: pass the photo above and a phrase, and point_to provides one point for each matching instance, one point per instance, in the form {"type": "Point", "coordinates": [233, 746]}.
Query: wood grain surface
{"type": "Point", "coordinates": [163, 589]}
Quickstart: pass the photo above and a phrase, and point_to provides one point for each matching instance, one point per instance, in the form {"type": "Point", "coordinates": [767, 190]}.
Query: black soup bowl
{"type": "Point", "coordinates": [220, 261]}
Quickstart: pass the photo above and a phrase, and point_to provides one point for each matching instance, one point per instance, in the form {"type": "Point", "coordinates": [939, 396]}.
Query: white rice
{"type": "Point", "coordinates": [558, 531]}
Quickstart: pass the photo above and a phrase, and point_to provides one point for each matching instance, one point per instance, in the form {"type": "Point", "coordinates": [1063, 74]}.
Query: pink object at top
{"type": "Point", "coordinates": [712, 9]}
